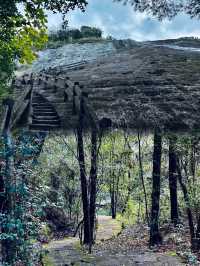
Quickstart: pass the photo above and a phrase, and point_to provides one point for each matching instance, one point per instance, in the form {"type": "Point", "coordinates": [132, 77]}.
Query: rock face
{"type": "Point", "coordinates": [139, 88]}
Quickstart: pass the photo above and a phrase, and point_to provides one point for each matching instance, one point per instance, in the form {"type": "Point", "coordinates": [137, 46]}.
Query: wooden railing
{"type": "Point", "coordinates": [80, 96]}
{"type": "Point", "coordinates": [8, 109]}
{"type": "Point", "coordinates": [21, 104]}
{"type": "Point", "coordinates": [72, 92]}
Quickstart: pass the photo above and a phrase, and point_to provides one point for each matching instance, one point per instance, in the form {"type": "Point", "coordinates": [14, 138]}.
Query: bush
{"type": "Point", "coordinates": [130, 215]}
{"type": "Point", "coordinates": [91, 32]}
{"type": "Point", "coordinates": [67, 35]}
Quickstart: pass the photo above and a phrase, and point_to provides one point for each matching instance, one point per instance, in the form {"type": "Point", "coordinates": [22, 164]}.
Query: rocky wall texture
{"type": "Point", "coordinates": [140, 88]}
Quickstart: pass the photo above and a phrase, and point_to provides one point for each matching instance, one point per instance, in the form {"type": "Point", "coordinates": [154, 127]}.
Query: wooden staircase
{"type": "Point", "coordinates": [47, 103]}
{"type": "Point", "coordinates": [44, 115]}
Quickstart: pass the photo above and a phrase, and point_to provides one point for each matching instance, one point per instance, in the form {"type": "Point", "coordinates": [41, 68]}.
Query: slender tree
{"type": "Point", "coordinates": [155, 236]}
{"type": "Point", "coordinates": [173, 182]}
{"type": "Point", "coordinates": [142, 177]}
{"type": "Point", "coordinates": [187, 202]}
{"type": "Point", "coordinates": [93, 181]}
{"type": "Point", "coordinates": [7, 183]}
{"type": "Point", "coordinates": [83, 177]}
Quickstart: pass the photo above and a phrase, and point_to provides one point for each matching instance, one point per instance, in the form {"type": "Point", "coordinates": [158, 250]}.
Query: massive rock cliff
{"type": "Point", "coordinates": [139, 88]}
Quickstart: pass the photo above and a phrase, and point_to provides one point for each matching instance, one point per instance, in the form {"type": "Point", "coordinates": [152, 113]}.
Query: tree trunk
{"type": "Point", "coordinates": [2, 190]}
{"type": "Point", "coordinates": [173, 183]}
{"type": "Point", "coordinates": [155, 237]}
{"type": "Point", "coordinates": [113, 205]}
{"type": "Point", "coordinates": [187, 202]}
{"type": "Point", "coordinates": [129, 193]}
{"type": "Point", "coordinates": [7, 185]}
{"type": "Point", "coordinates": [9, 246]}
{"type": "Point", "coordinates": [113, 196]}
{"type": "Point", "coordinates": [93, 181]}
{"type": "Point", "coordinates": [84, 185]}
{"type": "Point", "coordinates": [197, 246]}
{"type": "Point", "coordinates": [192, 161]}
{"type": "Point", "coordinates": [142, 178]}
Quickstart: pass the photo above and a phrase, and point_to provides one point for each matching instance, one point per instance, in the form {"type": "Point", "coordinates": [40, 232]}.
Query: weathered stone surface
{"type": "Point", "coordinates": [143, 87]}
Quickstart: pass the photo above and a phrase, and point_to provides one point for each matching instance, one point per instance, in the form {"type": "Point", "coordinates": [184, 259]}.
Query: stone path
{"type": "Point", "coordinates": [107, 228]}
{"type": "Point", "coordinates": [68, 251]}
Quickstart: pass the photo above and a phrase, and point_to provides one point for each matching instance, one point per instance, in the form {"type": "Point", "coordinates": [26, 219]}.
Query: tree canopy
{"type": "Point", "coordinates": [165, 8]}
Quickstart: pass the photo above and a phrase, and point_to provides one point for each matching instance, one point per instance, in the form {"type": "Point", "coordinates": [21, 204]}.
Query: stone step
{"type": "Point", "coordinates": [44, 113]}
{"type": "Point", "coordinates": [41, 102]}
{"type": "Point", "coordinates": [46, 117]}
{"type": "Point", "coordinates": [39, 99]}
{"type": "Point", "coordinates": [41, 105]}
{"type": "Point", "coordinates": [45, 127]}
{"type": "Point", "coordinates": [40, 108]}
{"type": "Point", "coordinates": [46, 122]}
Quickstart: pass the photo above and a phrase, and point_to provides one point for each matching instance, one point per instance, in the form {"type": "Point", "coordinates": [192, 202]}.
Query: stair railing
{"type": "Point", "coordinates": [30, 107]}
{"type": "Point", "coordinates": [20, 104]}
{"type": "Point", "coordinates": [79, 95]}
{"type": "Point", "coordinates": [73, 92]}
{"type": "Point", "coordinates": [8, 103]}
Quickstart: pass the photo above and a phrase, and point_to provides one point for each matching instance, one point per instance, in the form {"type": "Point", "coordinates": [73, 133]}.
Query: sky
{"type": "Point", "coordinates": [123, 22]}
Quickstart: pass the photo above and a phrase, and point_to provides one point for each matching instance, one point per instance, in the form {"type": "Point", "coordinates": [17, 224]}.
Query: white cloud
{"type": "Point", "coordinates": [122, 22]}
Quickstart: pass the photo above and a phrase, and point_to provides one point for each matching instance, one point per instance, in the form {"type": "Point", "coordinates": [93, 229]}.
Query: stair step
{"type": "Point", "coordinates": [43, 127]}
{"type": "Point", "coordinates": [41, 109]}
{"type": "Point", "coordinates": [44, 113]}
{"type": "Point", "coordinates": [46, 122]}
{"type": "Point", "coordinates": [40, 102]}
{"type": "Point", "coordinates": [46, 117]}
{"type": "Point", "coordinates": [38, 99]}
{"type": "Point", "coordinates": [41, 105]}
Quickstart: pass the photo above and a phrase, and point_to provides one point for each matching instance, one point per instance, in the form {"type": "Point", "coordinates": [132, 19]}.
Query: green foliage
{"type": "Point", "coordinates": [119, 171]}
{"type": "Point", "coordinates": [28, 42]}
{"type": "Point", "coordinates": [45, 233]}
{"type": "Point", "coordinates": [130, 216]}
{"type": "Point", "coordinates": [56, 177]}
{"type": "Point", "coordinates": [24, 32]}
{"type": "Point", "coordinates": [73, 35]}
{"type": "Point", "coordinates": [47, 261]}
{"type": "Point", "coordinates": [87, 31]}
{"type": "Point", "coordinates": [19, 219]}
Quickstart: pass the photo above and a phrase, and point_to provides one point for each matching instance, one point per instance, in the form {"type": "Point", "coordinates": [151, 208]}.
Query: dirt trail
{"type": "Point", "coordinates": [68, 251]}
